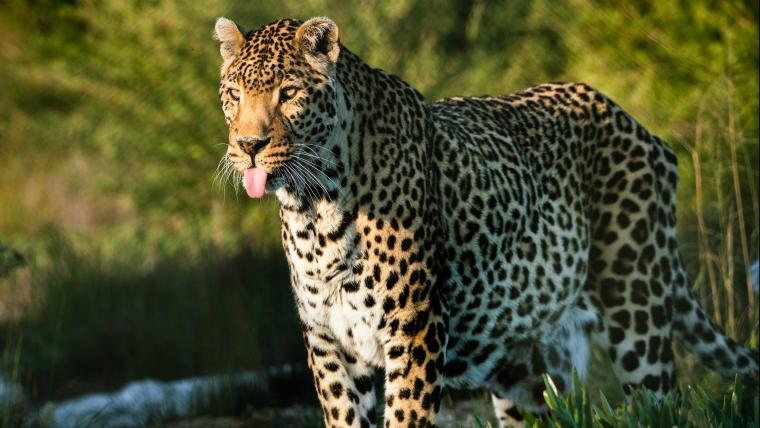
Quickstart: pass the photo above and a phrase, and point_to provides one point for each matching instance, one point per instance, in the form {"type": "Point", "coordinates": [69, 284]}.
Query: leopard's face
{"type": "Point", "coordinates": [278, 94]}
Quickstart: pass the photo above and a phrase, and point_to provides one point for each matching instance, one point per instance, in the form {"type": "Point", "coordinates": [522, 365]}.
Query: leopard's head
{"type": "Point", "coordinates": [279, 95]}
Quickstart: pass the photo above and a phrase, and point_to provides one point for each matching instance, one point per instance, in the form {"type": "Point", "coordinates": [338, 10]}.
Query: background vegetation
{"type": "Point", "coordinates": [139, 265]}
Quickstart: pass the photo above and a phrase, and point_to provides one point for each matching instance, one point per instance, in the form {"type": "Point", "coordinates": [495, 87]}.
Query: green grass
{"type": "Point", "coordinates": [91, 324]}
{"type": "Point", "coordinates": [691, 407]}
{"type": "Point", "coordinates": [738, 406]}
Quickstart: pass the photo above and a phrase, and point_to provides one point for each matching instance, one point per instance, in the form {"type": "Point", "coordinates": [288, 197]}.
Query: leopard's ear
{"type": "Point", "coordinates": [231, 40]}
{"type": "Point", "coordinates": [318, 39]}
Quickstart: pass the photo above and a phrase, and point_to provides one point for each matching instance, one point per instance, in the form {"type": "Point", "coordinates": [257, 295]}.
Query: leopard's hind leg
{"type": "Point", "coordinates": [632, 258]}
{"type": "Point", "coordinates": [636, 275]}
{"type": "Point", "coordinates": [518, 379]}
{"type": "Point", "coordinates": [519, 382]}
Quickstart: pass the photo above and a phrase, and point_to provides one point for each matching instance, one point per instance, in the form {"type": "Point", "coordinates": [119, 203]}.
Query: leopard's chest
{"type": "Point", "coordinates": [323, 253]}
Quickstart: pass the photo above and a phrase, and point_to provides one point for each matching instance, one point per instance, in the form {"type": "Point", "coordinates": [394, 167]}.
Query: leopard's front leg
{"type": "Point", "coordinates": [344, 384]}
{"type": "Point", "coordinates": [414, 360]}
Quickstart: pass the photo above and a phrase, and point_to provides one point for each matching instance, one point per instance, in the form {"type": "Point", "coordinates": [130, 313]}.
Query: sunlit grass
{"type": "Point", "coordinates": [690, 407]}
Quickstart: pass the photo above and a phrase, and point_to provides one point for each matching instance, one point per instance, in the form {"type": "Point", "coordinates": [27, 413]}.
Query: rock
{"type": "Point", "coordinates": [11, 394]}
{"type": "Point", "coordinates": [147, 402]}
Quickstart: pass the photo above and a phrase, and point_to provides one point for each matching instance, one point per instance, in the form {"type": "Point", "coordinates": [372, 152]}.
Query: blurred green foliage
{"type": "Point", "coordinates": [110, 132]}
{"type": "Point", "coordinates": [109, 117]}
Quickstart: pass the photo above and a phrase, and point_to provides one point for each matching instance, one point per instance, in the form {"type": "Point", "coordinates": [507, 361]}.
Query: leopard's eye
{"type": "Point", "coordinates": [287, 93]}
{"type": "Point", "coordinates": [234, 93]}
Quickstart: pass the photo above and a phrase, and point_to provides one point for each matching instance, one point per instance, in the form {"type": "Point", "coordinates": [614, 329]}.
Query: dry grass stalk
{"type": "Point", "coordinates": [738, 195]}
{"type": "Point", "coordinates": [705, 253]}
{"type": "Point", "coordinates": [728, 281]}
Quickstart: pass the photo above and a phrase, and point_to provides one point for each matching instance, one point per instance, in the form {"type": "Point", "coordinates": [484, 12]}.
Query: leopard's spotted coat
{"type": "Point", "coordinates": [468, 242]}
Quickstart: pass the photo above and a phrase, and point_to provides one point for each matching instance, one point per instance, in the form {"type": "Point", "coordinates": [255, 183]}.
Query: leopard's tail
{"type": "Point", "coordinates": [704, 339]}
{"type": "Point", "coordinates": [692, 326]}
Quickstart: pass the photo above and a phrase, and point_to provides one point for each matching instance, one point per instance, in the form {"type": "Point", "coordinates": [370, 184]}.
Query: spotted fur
{"type": "Point", "coordinates": [467, 242]}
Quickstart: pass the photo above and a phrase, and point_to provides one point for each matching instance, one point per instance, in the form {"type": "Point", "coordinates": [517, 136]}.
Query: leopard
{"type": "Point", "coordinates": [467, 243]}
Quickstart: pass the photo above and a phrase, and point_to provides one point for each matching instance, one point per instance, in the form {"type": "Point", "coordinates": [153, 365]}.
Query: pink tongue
{"type": "Point", "coordinates": [254, 181]}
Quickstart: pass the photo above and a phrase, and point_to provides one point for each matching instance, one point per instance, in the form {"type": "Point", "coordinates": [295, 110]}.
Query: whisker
{"type": "Point", "coordinates": [304, 166]}
{"type": "Point", "coordinates": [305, 173]}
{"type": "Point", "coordinates": [226, 172]}
{"type": "Point", "coordinates": [313, 152]}
{"type": "Point", "coordinates": [301, 172]}
{"type": "Point", "coordinates": [305, 187]}
{"type": "Point", "coordinates": [220, 175]}
{"type": "Point", "coordinates": [307, 163]}
{"type": "Point", "coordinates": [327, 162]}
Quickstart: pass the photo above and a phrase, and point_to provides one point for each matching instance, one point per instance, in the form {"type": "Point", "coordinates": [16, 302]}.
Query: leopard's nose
{"type": "Point", "coordinates": [252, 145]}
